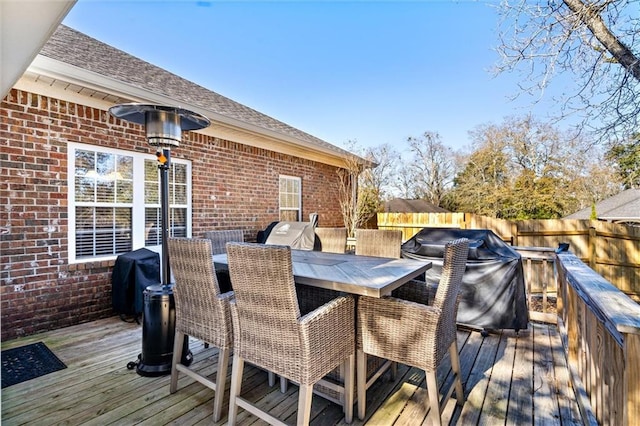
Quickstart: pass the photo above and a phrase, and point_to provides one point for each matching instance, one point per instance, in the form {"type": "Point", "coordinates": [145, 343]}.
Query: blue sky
{"type": "Point", "coordinates": [371, 71]}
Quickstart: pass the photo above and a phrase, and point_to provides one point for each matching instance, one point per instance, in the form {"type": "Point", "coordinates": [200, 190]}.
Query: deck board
{"type": "Point", "coordinates": [510, 378]}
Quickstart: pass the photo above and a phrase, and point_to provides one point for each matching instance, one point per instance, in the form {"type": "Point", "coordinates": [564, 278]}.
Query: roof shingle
{"type": "Point", "coordinates": [75, 48]}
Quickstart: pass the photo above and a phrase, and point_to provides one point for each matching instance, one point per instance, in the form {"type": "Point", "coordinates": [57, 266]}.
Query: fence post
{"type": "Point", "coordinates": [593, 241]}
{"type": "Point", "coordinates": [514, 234]}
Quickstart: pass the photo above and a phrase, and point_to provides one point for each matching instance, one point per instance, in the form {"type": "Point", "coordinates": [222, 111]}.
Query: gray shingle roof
{"type": "Point", "coordinates": [77, 49]}
{"type": "Point", "coordinates": [623, 206]}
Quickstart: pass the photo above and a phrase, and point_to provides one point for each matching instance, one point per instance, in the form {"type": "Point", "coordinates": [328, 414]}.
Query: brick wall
{"type": "Point", "coordinates": [234, 186]}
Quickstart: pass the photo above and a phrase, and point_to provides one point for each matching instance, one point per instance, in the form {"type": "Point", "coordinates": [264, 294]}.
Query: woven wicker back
{"type": "Point", "coordinates": [266, 303]}
{"type": "Point", "coordinates": [379, 242]}
{"type": "Point", "coordinates": [219, 239]}
{"type": "Point", "coordinates": [455, 262]}
{"type": "Point", "coordinates": [332, 240]}
{"type": "Point", "coordinates": [200, 312]}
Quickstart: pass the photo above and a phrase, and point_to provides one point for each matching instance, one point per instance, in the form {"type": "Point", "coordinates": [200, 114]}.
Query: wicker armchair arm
{"type": "Point", "coordinates": [397, 329]}
{"type": "Point", "coordinates": [328, 333]}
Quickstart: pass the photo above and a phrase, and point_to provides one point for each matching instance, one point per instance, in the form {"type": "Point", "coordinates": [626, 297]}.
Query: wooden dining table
{"type": "Point", "coordinates": [349, 273]}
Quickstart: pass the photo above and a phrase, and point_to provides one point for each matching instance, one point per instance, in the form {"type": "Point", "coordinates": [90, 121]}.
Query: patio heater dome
{"type": "Point", "coordinates": [164, 124]}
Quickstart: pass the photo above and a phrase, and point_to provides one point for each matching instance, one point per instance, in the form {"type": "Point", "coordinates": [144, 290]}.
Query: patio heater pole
{"type": "Point", "coordinates": [164, 126]}
{"type": "Point", "coordinates": [164, 163]}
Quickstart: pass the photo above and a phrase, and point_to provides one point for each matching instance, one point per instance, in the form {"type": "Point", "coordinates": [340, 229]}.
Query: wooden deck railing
{"type": "Point", "coordinates": [540, 281]}
{"type": "Point", "coordinates": [600, 327]}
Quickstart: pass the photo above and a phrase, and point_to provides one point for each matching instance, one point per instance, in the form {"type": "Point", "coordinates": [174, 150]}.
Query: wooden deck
{"type": "Point", "coordinates": [509, 379]}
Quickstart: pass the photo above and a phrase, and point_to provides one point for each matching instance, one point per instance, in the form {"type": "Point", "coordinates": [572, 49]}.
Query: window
{"type": "Point", "coordinates": [114, 201]}
{"type": "Point", "coordinates": [290, 199]}
{"type": "Point", "coordinates": [178, 204]}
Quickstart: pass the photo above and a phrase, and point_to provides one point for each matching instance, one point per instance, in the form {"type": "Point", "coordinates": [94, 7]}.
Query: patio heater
{"type": "Point", "coordinates": [164, 126]}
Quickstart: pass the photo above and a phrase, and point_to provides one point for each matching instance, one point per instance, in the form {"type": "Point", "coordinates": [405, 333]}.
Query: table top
{"type": "Point", "coordinates": [360, 275]}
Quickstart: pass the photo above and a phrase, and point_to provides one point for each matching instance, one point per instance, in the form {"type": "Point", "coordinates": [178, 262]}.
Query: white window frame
{"type": "Point", "coordinates": [282, 207]}
{"type": "Point", "coordinates": [138, 205]}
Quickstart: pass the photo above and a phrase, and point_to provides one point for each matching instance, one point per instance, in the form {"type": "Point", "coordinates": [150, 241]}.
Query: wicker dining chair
{"type": "Point", "coordinates": [379, 242]}
{"type": "Point", "coordinates": [219, 238]}
{"type": "Point", "coordinates": [332, 240]}
{"type": "Point", "coordinates": [271, 333]}
{"type": "Point", "coordinates": [202, 312]}
{"type": "Point", "coordinates": [416, 334]}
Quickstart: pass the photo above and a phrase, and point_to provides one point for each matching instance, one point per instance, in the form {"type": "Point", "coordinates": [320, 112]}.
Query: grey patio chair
{"type": "Point", "coordinates": [379, 242]}
{"type": "Point", "coordinates": [270, 332]}
{"type": "Point", "coordinates": [202, 312]}
{"type": "Point", "coordinates": [219, 239]}
{"type": "Point", "coordinates": [332, 240]}
{"type": "Point", "coordinates": [416, 334]}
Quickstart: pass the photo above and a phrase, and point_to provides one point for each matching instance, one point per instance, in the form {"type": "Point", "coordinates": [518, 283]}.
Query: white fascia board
{"type": "Point", "coordinates": [62, 71]}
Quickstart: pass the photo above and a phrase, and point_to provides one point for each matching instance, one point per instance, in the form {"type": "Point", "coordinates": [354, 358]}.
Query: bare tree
{"type": "Point", "coordinates": [432, 169]}
{"type": "Point", "coordinates": [380, 178]}
{"type": "Point", "coordinates": [358, 199]}
{"type": "Point", "coordinates": [596, 41]}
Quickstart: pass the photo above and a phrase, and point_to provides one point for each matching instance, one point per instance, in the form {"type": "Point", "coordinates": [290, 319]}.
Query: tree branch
{"type": "Point", "coordinates": [589, 15]}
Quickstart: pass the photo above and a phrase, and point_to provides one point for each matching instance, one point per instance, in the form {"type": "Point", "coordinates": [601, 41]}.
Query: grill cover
{"type": "Point", "coordinates": [132, 273]}
{"type": "Point", "coordinates": [297, 235]}
{"type": "Point", "coordinates": [493, 291]}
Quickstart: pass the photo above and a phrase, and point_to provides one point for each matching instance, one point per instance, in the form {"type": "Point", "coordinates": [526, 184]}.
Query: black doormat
{"type": "Point", "coordinates": [28, 362]}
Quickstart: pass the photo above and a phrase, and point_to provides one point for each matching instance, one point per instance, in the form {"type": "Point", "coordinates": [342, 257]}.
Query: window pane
{"type": "Point", "coordinates": [84, 218]}
{"type": "Point", "coordinates": [178, 222]}
{"type": "Point", "coordinates": [124, 191]}
{"type": "Point", "coordinates": [84, 161]}
{"type": "Point", "coordinates": [105, 191]}
{"type": "Point", "coordinates": [124, 179]}
{"type": "Point", "coordinates": [84, 189]}
{"type": "Point", "coordinates": [180, 173]}
{"type": "Point", "coordinates": [105, 164]}
{"type": "Point", "coordinates": [289, 215]}
{"type": "Point", "coordinates": [153, 225]}
{"type": "Point", "coordinates": [125, 167]}
{"type": "Point", "coordinates": [180, 194]}
{"type": "Point", "coordinates": [151, 193]}
{"type": "Point", "coordinates": [151, 185]}
{"type": "Point", "coordinates": [102, 231]}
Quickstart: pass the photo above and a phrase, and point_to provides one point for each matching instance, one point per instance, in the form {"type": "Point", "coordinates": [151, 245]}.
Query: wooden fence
{"type": "Point", "coordinates": [610, 249]}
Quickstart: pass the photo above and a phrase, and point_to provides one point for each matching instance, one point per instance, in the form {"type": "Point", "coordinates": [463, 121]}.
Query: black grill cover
{"type": "Point", "coordinates": [493, 291]}
{"type": "Point", "coordinates": [132, 273]}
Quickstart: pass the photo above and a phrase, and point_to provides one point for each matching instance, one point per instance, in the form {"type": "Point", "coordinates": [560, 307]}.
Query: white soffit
{"type": "Point", "coordinates": [25, 26]}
